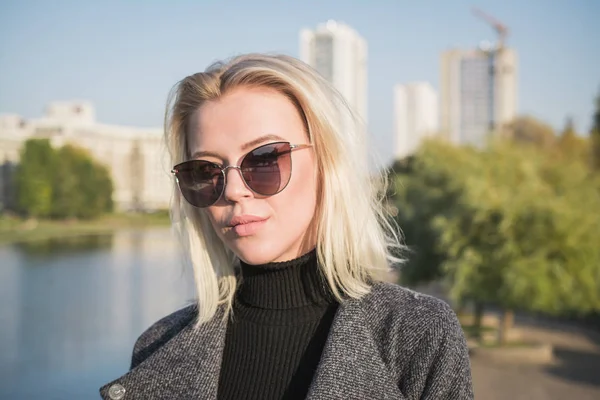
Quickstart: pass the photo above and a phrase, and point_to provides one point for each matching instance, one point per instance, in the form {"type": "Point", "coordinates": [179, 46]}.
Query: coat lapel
{"type": "Point", "coordinates": [187, 367]}
{"type": "Point", "coordinates": [351, 365]}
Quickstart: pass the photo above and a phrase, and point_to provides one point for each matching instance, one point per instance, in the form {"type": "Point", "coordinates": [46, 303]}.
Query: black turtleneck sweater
{"type": "Point", "coordinates": [281, 318]}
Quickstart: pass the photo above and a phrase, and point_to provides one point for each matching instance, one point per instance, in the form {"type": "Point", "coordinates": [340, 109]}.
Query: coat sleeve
{"type": "Point", "coordinates": [440, 368]}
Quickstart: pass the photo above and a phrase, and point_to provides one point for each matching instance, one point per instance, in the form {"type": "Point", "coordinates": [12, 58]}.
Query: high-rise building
{"type": "Point", "coordinates": [478, 93]}
{"type": "Point", "coordinates": [416, 116]}
{"type": "Point", "coordinates": [339, 53]}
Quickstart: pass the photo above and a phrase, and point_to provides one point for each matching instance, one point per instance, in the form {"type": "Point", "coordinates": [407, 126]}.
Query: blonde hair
{"type": "Point", "coordinates": [356, 239]}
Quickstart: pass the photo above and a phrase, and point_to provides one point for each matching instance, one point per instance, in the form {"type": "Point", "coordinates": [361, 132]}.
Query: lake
{"type": "Point", "coordinates": [71, 309]}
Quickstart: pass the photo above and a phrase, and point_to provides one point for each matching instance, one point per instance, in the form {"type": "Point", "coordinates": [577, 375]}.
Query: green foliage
{"type": "Point", "coordinates": [62, 183]}
{"type": "Point", "coordinates": [529, 131]}
{"type": "Point", "coordinates": [34, 178]}
{"type": "Point", "coordinates": [595, 136]}
{"type": "Point", "coordinates": [513, 225]}
{"type": "Point", "coordinates": [570, 147]}
{"type": "Point", "coordinates": [424, 190]}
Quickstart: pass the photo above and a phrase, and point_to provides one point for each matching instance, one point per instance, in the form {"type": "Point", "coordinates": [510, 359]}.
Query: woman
{"type": "Point", "coordinates": [289, 244]}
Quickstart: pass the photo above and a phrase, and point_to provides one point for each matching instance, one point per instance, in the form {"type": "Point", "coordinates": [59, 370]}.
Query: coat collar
{"type": "Point", "coordinates": [194, 356]}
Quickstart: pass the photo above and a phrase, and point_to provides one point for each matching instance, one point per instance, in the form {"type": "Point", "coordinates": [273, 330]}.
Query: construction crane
{"type": "Point", "coordinates": [498, 26]}
{"type": "Point", "coordinates": [493, 52]}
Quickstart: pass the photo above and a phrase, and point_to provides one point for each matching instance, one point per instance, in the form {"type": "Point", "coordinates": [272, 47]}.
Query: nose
{"type": "Point", "coordinates": [235, 187]}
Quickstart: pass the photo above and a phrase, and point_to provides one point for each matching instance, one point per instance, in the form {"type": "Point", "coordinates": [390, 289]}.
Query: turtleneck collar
{"type": "Point", "coordinates": [284, 285]}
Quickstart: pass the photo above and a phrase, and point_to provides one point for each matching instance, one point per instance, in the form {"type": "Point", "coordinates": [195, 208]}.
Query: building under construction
{"type": "Point", "coordinates": [478, 89]}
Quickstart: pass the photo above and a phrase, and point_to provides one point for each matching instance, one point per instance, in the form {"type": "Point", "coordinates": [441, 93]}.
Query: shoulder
{"type": "Point", "coordinates": [390, 300]}
{"type": "Point", "coordinates": [161, 332]}
{"type": "Point", "coordinates": [403, 318]}
{"type": "Point", "coordinates": [421, 340]}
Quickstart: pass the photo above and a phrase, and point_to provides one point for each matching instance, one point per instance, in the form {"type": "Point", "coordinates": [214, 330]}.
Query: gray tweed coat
{"type": "Point", "coordinates": [391, 344]}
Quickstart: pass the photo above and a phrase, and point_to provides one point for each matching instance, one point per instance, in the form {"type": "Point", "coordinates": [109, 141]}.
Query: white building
{"type": "Point", "coordinates": [135, 157]}
{"type": "Point", "coordinates": [416, 116]}
{"type": "Point", "coordinates": [472, 103]}
{"type": "Point", "coordinates": [339, 53]}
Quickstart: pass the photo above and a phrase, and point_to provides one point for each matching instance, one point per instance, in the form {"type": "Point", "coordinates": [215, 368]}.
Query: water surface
{"type": "Point", "coordinates": [71, 309]}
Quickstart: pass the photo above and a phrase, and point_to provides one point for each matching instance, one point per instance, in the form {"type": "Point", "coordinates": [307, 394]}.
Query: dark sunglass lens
{"type": "Point", "coordinates": [201, 182]}
{"type": "Point", "coordinates": [267, 169]}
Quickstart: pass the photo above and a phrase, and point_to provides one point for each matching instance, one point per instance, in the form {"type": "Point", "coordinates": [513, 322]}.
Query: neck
{"type": "Point", "coordinates": [284, 285]}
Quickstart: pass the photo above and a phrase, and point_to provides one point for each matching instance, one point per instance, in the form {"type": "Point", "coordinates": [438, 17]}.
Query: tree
{"type": "Point", "coordinates": [568, 135]}
{"type": "Point", "coordinates": [83, 188]}
{"type": "Point", "coordinates": [528, 130]}
{"type": "Point", "coordinates": [595, 136]}
{"type": "Point", "coordinates": [61, 183]}
{"type": "Point", "coordinates": [68, 199]}
{"type": "Point", "coordinates": [511, 225]}
{"type": "Point", "coordinates": [524, 235]}
{"type": "Point", "coordinates": [424, 189]}
{"type": "Point", "coordinates": [96, 187]}
{"type": "Point", "coordinates": [571, 146]}
{"type": "Point", "coordinates": [34, 178]}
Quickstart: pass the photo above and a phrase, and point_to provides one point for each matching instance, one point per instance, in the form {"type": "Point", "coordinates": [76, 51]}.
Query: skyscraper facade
{"type": "Point", "coordinates": [478, 94]}
{"type": "Point", "coordinates": [339, 53]}
{"type": "Point", "coordinates": [415, 116]}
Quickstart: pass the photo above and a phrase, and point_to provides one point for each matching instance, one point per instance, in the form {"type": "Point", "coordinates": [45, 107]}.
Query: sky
{"type": "Point", "coordinates": [124, 56]}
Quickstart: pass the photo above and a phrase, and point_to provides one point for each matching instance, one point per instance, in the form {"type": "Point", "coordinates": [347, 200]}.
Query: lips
{"type": "Point", "coordinates": [246, 225]}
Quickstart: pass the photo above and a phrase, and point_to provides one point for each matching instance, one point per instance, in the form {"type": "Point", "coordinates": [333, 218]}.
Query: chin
{"type": "Point", "coordinates": [255, 259]}
{"type": "Point", "coordinates": [256, 253]}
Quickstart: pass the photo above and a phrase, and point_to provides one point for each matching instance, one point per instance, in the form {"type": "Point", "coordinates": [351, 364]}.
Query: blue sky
{"type": "Point", "coordinates": [124, 56]}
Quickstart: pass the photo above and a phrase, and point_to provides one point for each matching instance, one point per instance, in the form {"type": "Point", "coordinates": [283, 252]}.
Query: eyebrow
{"type": "Point", "coordinates": [245, 146]}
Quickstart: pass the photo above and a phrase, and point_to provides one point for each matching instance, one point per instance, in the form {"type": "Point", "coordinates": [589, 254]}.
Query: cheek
{"type": "Point", "coordinates": [300, 195]}
{"type": "Point", "coordinates": [214, 214]}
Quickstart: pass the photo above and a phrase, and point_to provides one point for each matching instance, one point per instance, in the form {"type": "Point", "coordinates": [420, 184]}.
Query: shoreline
{"type": "Point", "coordinates": [16, 230]}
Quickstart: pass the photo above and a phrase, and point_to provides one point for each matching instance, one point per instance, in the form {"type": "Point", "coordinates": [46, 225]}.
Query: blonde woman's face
{"type": "Point", "coordinates": [258, 229]}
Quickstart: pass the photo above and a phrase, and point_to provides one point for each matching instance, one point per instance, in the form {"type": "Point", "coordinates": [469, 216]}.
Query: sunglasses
{"type": "Point", "coordinates": [266, 171]}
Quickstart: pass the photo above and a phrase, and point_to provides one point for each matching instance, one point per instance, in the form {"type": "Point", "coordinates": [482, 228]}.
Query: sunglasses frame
{"type": "Point", "coordinates": [223, 170]}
